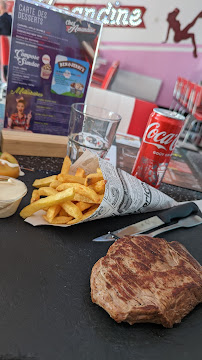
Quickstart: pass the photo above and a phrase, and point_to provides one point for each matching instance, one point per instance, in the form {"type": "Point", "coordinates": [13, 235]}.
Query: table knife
{"type": "Point", "coordinates": [165, 217]}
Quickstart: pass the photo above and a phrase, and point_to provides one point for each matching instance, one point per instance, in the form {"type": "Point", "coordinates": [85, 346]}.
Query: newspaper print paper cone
{"type": "Point", "coordinates": [124, 194]}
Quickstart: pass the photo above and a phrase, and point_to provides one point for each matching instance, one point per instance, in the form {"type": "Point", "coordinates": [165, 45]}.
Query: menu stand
{"type": "Point", "coordinates": [32, 144]}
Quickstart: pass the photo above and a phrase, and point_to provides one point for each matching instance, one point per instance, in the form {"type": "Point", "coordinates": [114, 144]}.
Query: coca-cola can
{"type": "Point", "coordinates": [158, 144]}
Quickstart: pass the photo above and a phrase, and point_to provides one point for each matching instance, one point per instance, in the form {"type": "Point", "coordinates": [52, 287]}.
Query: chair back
{"type": "Point", "coordinates": [140, 117]}
{"type": "Point", "coordinates": [134, 112]}
{"type": "Point", "coordinates": [5, 52]}
{"type": "Point", "coordinates": [103, 81]}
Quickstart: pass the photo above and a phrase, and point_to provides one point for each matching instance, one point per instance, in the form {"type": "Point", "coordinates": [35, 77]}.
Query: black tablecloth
{"type": "Point", "coordinates": [45, 306]}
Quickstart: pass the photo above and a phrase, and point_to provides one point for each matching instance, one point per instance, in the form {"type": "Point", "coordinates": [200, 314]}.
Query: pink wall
{"type": "Point", "coordinates": [165, 64]}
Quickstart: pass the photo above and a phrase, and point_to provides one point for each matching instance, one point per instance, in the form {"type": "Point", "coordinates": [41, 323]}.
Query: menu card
{"type": "Point", "coordinates": [51, 61]}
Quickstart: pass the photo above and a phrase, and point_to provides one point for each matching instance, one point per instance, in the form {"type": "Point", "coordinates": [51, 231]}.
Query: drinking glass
{"type": "Point", "coordinates": [91, 127]}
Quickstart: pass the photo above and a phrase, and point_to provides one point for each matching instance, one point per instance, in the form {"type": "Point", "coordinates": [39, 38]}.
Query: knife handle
{"type": "Point", "coordinates": [179, 211]}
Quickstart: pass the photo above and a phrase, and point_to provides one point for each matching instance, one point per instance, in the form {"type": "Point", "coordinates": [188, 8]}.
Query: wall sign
{"type": "Point", "coordinates": [111, 14]}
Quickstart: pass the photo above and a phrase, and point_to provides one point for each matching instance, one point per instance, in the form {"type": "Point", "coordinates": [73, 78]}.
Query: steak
{"type": "Point", "coordinates": [144, 279]}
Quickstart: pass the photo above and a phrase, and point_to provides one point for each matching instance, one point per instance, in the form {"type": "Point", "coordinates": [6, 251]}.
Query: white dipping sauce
{"type": "Point", "coordinates": [11, 189]}
{"type": "Point", "coordinates": [11, 194]}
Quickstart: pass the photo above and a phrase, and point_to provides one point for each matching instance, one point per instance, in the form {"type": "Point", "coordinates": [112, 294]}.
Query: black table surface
{"type": "Point", "coordinates": [45, 307]}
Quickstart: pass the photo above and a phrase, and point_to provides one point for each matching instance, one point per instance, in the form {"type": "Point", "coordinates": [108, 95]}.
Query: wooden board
{"type": "Point", "coordinates": [25, 143]}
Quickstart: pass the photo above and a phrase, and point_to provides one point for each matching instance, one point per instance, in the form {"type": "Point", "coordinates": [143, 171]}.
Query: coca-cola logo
{"type": "Point", "coordinates": [160, 139]}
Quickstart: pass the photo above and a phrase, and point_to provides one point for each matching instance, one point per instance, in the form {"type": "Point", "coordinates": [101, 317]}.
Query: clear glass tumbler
{"type": "Point", "coordinates": [91, 127]}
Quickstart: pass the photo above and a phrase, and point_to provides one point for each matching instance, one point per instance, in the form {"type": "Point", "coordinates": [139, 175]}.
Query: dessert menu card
{"type": "Point", "coordinates": [51, 61]}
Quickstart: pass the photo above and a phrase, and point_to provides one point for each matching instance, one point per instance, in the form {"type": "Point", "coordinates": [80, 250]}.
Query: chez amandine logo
{"type": "Point", "coordinates": [113, 15]}
{"type": "Point", "coordinates": [72, 26]}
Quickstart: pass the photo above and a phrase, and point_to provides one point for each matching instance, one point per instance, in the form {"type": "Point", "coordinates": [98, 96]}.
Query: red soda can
{"type": "Point", "coordinates": [158, 144]}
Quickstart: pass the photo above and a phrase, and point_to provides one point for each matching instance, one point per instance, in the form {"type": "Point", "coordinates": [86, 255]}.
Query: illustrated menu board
{"type": "Point", "coordinates": [51, 60]}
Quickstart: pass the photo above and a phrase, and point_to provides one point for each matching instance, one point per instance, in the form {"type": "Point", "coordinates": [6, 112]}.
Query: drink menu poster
{"type": "Point", "coordinates": [51, 61]}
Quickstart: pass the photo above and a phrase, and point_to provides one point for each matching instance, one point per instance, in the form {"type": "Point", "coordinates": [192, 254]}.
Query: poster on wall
{"type": "Point", "coordinates": [51, 60]}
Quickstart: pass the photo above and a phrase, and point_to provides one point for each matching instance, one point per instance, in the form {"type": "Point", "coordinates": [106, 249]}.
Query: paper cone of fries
{"type": "Point", "coordinates": [124, 194]}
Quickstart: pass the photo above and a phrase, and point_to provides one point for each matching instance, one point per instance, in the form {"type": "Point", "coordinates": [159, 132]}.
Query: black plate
{"type": "Point", "coordinates": [45, 307]}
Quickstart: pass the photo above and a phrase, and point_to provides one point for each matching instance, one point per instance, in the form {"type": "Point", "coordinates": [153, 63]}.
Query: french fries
{"type": "Point", "coordinates": [66, 165]}
{"type": "Point", "coordinates": [70, 179]}
{"type": "Point", "coordinates": [51, 200]}
{"type": "Point", "coordinates": [93, 178]}
{"type": "Point", "coordinates": [55, 183]}
{"type": "Point", "coordinates": [59, 219]}
{"type": "Point", "coordinates": [80, 189]}
{"type": "Point", "coordinates": [83, 205]}
{"type": "Point", "coordinates": [66, 198]}
{"type": "Point", "coordinates": [99, 187]}
{"type": "Point", "coordinates": [80, 172]}
{"type": "Point", "coordinates": [52, 212]}
{"type": "Point", "coordinates": [46, 191]}
{"type": "Point", "coordinates": [72, 210]}
{"type": "Point", "coordinates": [44, 182]}
{"type": "Point", "coordinates": [35, 196]}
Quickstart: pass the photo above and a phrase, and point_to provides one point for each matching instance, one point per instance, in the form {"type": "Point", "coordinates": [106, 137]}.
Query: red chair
{"type": "Point", "coordinates": [193, 107]}
{"type": "Point", "coordinates": [140, 117]}
{"type": "Point", "coordinates": [134, 112]}
{"type": "Point", "coordinates": [103, 81]}
{"type": "Point", "coordinates": [5, 52]}
{"type": "Point", "coordinates": [176, 92]}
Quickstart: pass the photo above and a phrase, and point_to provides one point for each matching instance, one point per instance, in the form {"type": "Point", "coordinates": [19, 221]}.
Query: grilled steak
{"type": "Point", "coordinates": [144, 279]}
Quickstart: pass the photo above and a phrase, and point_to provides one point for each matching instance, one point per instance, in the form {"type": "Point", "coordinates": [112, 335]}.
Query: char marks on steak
{"type": "Point", "coordinates": [144, 279]}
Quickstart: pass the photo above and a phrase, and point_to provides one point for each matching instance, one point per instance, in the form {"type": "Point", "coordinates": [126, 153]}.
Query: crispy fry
{"type": "Point", "coordinates": [101, 198]}
{"type": "Point", "coordinates": [69, 199]}
{"type": "Point", "coordinates": [99, 171]}
{"type": "Point", "coordinates": [66, 165]}
{"type": "Point", "coordinates": [59, 219]}
{"type": "Point", "coordinates": [35, 196]}
{"type": "Point", "coordinates": [52, 212]}
{"type": "Point", "coordinates": [80, 189]}
{"type": "Point", "coordinates": [83, 205]}
{"type": "Point", "coordinates": [89, 212]}
{"type": "Point", "coordinates": [78, 197]}
{"type": "Point", "coordinates": [99, 187]}
{"type": "Point", "coordinates": [80, 172]}
{"type": "Point", "coordinates": [84, 216]}
{"type": "Point", "coordinates": [62, 212]}
{"type": "Point", "coordinates": [74, 221]}
{"type": "Point", "coordinates": [55, 184]}
{"type": "Point", "coordinates": [46, 191]}
{"type": "Point", "coordinates": [70, 179]}
{"type": "Point", "coordinates": [71, 209]}
{"type": "Point", "coordinates": [56, 199]}
{"type": "Point", "coordinates": [92, 179]}
{"type": "Point", "coordinates": [44, 182]}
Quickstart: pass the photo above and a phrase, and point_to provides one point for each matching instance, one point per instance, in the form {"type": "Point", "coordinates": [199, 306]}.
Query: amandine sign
{"type": "Point", "coordinates": [111, 14]}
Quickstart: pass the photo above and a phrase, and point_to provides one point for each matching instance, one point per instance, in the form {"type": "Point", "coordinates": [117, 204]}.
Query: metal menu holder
{"type": "Point", "coordinates": [52, 57]}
